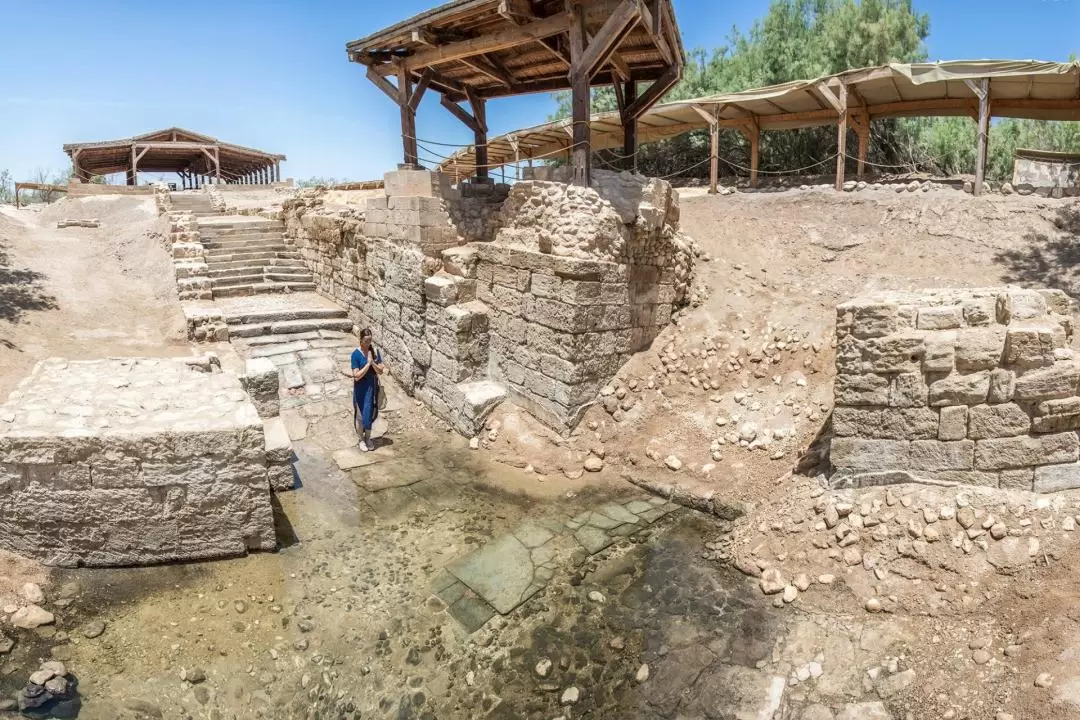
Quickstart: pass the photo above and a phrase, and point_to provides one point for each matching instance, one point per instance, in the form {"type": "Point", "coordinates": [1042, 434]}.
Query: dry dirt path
{"type": "Point", "coordinates": [84, 293]}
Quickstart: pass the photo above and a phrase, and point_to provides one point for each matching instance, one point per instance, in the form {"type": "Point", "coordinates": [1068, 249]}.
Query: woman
{"type": "Point", "coordinates": [367, 365]}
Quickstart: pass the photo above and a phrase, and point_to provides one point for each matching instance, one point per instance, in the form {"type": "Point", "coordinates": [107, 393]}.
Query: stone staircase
{"type": "Point", "coordinates": [194, 203]}
{"type": "Point", "coordinates": [274, 325]}
{"type": "Point", "coordinates": [248, 256]}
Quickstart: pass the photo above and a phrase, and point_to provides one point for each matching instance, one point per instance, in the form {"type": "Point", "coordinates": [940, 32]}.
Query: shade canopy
{"type": "Point", "coordinates": [170, 150]}
{"type": "Point", "coordinates": [1016, 88]}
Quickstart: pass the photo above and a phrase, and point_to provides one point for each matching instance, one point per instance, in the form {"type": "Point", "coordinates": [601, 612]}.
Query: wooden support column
{"type": "Point", "coordinates": [480, 136]}
{"type": "Point", "coordinates": [277, 171]}
{"type": "Point", "coordinates": [408, 117]}
{"type": "Point", "coordinates": [841, 138]}
{"type": "Point", "coordinates": [981, 88]}
{"type": "Point", "coordinates": [629, 125]}
{"type": "Point", "coordinates": [864, 149]}
{"type": "Point", "coordinates": [217, 163]}
{"type": "Point", "coordinates": [751, 129]}
{"type": "Point", "coordinates": [131, 171]}
{"type": "Point", "coordinates": [581, 154]}
{"type": "Point", "coordinates": [711, 115]}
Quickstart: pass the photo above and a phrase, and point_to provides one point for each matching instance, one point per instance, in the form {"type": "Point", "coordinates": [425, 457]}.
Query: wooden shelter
{"type": "Point", "coordinates": [474, 50]}
{"type": "Point", "coordinates": [196, 158]}
{"type": "Point", "coordinates": [851, 100]}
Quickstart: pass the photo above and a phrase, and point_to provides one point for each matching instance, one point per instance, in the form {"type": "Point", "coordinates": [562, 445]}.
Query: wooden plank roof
{"type": "Point", "coordinates": [495, 48]}
{"type": "Point", "coordinates": [169, 150]}
{"type": "Point", "coordinates": [1018, 88]}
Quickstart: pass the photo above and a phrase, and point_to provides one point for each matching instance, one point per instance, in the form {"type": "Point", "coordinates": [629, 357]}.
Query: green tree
{"type": "Point", "coordinates": [797, 39]}
{"type": "Point", "coordinates": [7, 188]}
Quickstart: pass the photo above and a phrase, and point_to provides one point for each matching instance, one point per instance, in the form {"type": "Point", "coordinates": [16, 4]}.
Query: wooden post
{"type": "Point", "coordinates": [217, 163]}
{"type": "Point", "coordinates": [277, 171]}
{"type": "Point", "coordinates": [982, 91]}
{"type": "Point", "coordinates": [714, 157]}
{"type": "Point", "coordinates": [581, 154]}
{"type": "Point", "coordinates": [864, 148]}
{"type": "Point", "coordinates": [131, 173]}
{"type": "Point", "coordinates": [408, 117]}
{"type": "Point", "coordinates": [841, 138]}
{"type": "Point", "coordinates": [480, 138]}
{"type": "Point", "coordinates": [629, 127]}
{"type": "Point", "coordinates": [754, 133]}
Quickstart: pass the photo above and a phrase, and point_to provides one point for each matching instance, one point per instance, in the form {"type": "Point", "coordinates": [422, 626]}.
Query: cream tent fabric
{"type": "Point", "coordinates": [1018, 88]}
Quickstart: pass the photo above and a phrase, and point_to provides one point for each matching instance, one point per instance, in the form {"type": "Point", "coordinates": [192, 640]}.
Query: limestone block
{"type": "Point", "coordinates": [885, 423]}
{"type": "Point", "coordinates": [1025, 451]}
{"type": "Point", "coordinates": [1056, 381]}
{"type": "Point", "coordinates": [995, 421]}
{"type": "Point", "coordinates": [183, 479]}
{"type": "Point", "coordinates": [1002, 386]}
{"type": "Point", "coordinates": [1057, 301]}
{"type": "Point", "coordinates": [260, 380]}
{"type": "Point", "coordinates": [953, 423]}
{"type": "Point", "coordinates": [896, 353]}
{"type": "Point", "coordinates": [980, 311]}
{"type": "Point", "coordinates": [1057, 416]}
{"type": "Point", "coordinates": [979, 348]}
{"type": "Point", "coordinates": [940, 318]}
{"type": "Point", "coordinates": [190, 268]}
{"type": "Point", "coordinates": [940, 354]}
{"type": "Point", "coordinates": [934, 455]}
{"type": "Point", "coordinates": [279, 455]}
{"type": "Point", "coordinates": [908, 390]}
{"type": "Point", "coordinates": [460, 261]}
{"type": "Point", "coordinates": [861, 390]}
{"type": "Point", "coordinates": [1031, 343]}
{"type": "Point", "coordinates": [957, 389]}
{"type": "Point", "coordinates": [415, 183]}
{"type": "Point", "coordinates": [1021, 479]}
{"type": "Point", "coordinates": [857, 454]}
{"type": "Point", "coordinates": [965, 477]}
{"type": "Point", "coordinates": [1055, 478]}
{"type": "Point", "coordinates": [187, 250]}
{"type": "Point", "coordinates": [449, 289]}
{"type": "Point", "coordinates": [867, 319]}
{"type": "Point", "coordinates": [1013, 305]}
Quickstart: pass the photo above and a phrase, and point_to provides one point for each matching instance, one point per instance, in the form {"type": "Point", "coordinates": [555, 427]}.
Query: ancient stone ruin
{"type": "Point", "coordinates": [537, 293]}
{"type": "Point", "coordinates": [974, 387]}
{"type": "Point", "coordinates": [132, 462]}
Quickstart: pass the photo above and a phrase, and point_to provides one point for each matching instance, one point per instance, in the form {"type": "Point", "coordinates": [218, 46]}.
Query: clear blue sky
{"type": "Point", "coordinates": [272, 74]}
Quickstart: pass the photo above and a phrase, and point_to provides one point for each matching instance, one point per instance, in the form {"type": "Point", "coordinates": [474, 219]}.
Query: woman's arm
{"type": "Point", "coordinates": [359, 372]}
{"type": "Point", "coordinates": [378, 363]}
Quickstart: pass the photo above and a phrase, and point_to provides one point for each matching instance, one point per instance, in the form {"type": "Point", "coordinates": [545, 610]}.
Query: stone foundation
{"type": "Point", "coordinates": [957, 386]}
{"type": "Point", "coordinates": [539, 292]}
{"type": "Point", "coordinates": [132, 462]}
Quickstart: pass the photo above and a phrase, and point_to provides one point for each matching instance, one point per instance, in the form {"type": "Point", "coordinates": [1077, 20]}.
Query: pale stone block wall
{"type": "Point", "coordinates": [538, 292]}
{"type": "Point", "coordinates": [974, 387]}
{"type": "Point", "coordinates": [132, 462]}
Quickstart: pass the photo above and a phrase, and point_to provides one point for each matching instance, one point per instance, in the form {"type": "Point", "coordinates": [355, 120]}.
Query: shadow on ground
{"type": "Point", "coordinates": [21, 291]}
{"type": "Point", "coordinates": [1048, 259]}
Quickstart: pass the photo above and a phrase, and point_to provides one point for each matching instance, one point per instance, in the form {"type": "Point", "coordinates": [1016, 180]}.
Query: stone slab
{"type": "Point", "coordinates": [501, 572]}
{"type": "Point", "coordinates": [134, 461]}
{"type": "Point", "coordinates": [353, 457]}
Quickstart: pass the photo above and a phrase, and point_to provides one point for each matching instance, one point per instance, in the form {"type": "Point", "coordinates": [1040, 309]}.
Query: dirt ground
{"type": "Point", "coordinates": [344, 621]}
{"type": "Point", "coordinates": [85, 293]}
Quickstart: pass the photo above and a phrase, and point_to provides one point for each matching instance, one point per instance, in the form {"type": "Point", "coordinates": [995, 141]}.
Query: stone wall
{"type": "Point", "coordinates": [131, 462]}
{"type": "Point", "coordinates": [77, 188]}
{"type": "Point", "coordinates": [957, 386]}
{"type": "Point", "coordinates": [540, 296]}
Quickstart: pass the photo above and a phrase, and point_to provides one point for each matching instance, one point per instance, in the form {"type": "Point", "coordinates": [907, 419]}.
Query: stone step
{"type": "Point", "coordinates": [266, 246]}
{"type": "Point", "coordinates": [273, 316]}
{"type": "Point", "coordinates": [287, 276]}
{"type": "Point", "coordinates": [262, 288]}
{"type": "Point", "coordinates": [282, 262]}
{"type": "Point", "coordinates": [260, 275]}
{"type": "Point", "coordinates": [289, 327]}
{"type": "Point", "coordinates": [239, 235]}
{"type": "Point", "coordinates": [292, 267]}
{"type": "Point", "coordinates": [245, 242]}
{"type": "Point", "coordinates": [230, 256]}
{"type": "Point", "coordinates": [232, 226]}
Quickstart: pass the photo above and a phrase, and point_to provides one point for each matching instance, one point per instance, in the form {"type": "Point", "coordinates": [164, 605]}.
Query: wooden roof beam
{"type": "Point", "coordinates": [652, 21]}
{"type": "Point", "coordinates": [656, 91]}
{"type": "Point", "coordinates": [459, 112]}
{"type": "Point", "coordinates": [491, 67]}
{"type": "Point", "coordinates": [493, 42]}
{"type": "Point", "coordinates": [383, 84]}
{"type": "Point", "coordinates": [603, 44]}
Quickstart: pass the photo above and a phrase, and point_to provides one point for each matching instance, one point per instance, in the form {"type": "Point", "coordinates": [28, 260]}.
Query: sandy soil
{"type": "Point", "coordinates": [85, 293]}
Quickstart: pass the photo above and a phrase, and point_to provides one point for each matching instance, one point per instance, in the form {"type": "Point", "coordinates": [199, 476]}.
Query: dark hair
{"type": "Point", "coordinates": [365, 333]}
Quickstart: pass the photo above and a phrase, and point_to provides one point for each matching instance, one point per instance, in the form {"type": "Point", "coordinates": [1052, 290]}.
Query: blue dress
{"type": "Point", "coordinates": [365, 390]}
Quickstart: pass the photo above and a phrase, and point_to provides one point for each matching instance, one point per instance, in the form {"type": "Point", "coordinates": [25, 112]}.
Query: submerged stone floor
{"type": "Point", "coordinates": [423, 581]}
